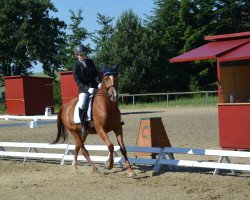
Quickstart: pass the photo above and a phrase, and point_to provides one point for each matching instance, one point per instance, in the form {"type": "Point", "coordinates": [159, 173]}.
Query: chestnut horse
{"type": "Point", "coordinates": [106, 118]}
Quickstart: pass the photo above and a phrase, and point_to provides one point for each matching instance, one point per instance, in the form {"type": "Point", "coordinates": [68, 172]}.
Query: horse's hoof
{"type": "Point", "coordinates": [74, 167]}
{"type": "Point", "coordinates": [97, 172]}
{"type": "Point", "coordinates": [74, 164]}
{"type": "Point", "coordinates": [131, 174]}
{"type": "Point", "coordinates": [109, 166]}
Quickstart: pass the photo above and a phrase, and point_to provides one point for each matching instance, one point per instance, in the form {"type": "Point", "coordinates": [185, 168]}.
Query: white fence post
{"type": "Point", "coordinates": [206, 98]}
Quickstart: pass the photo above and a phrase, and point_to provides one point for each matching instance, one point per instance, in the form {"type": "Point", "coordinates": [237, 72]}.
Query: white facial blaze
{"type": "Point", "coordinates": [112, 82]}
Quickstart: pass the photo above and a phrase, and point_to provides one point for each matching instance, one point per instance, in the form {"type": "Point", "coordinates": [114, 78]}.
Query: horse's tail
{"type": "Point", "coordinates": [61, 130]}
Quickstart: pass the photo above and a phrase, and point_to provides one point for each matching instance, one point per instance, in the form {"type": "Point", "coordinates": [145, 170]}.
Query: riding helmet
{"type": "Point", "coordinates": [80, 49]}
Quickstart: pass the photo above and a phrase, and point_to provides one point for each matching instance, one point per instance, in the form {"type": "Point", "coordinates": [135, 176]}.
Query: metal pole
{"type": "Point", "coordinates": [133, 100]}
{"type": "Point", "coordinates": [167, 99]}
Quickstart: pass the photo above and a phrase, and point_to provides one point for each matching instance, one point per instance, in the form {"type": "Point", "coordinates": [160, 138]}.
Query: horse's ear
{"type": "Point", "coordinates": [102, 67]}
{"type": "Point", "coordinates": [116, 68]}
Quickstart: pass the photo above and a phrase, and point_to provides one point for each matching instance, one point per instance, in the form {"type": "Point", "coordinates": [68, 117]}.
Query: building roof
{"type": "Point", "coordinates": [228, 36]}
{"type": "Point", "coordinates": [240, 53]}
{"type": "Point", "coordinates": [230, 47]}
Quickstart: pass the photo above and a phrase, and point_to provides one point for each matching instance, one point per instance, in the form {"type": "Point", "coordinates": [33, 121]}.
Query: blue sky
{"type": "Point", "coordinates": [111, 8]}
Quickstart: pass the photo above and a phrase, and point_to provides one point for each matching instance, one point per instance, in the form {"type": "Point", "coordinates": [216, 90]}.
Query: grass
{"type": "Point", "coordinates": [182, 102]}
{"type": "Point", "coordinates": [2, 89]}
{"type": "Point", "coordinates": [2, 108]}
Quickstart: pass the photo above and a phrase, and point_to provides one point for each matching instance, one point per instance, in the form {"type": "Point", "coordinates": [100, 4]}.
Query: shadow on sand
{"type": "Point", "coordinates": [140, 112]}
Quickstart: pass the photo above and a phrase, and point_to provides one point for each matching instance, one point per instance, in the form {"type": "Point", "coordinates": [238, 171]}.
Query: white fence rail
{"type": "Point", "coordinates": [64, 152]}
{"type": "Point", "coordinates": [222, 154]}
{"type": "Point", "coordinates": [133, 96]}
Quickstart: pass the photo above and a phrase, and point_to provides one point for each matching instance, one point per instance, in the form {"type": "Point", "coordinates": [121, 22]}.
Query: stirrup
{"type": "Point", "coordinates": [90, 124]}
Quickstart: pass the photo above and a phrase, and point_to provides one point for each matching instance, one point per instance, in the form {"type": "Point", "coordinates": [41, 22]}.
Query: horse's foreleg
{"type": "Point", "coordinates": [110, 163]}
{"type": "Point", "coordinates": [105, 138]}
{"type": "Point", "coordinates": [124, 152]}
{"type": "Point", "coordinates": [119, 137]}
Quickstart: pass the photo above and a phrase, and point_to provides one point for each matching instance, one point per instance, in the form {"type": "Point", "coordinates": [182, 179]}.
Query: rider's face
{"type": "Point", "coordinates": [81, 57]}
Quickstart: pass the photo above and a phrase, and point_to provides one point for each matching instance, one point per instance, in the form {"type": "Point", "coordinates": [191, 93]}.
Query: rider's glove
{"type": "Point", "coordinates": [91, 90]}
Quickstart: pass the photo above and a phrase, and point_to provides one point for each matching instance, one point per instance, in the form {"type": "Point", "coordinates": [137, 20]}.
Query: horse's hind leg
{"type": "Point", "coordinates": [119, 137]}
{"type": "Point", "coordinates": [77, 148]}
{"type": "Point", "coordinates": [74, 163]}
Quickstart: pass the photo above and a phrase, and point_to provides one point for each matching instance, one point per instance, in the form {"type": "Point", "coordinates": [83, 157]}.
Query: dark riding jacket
{"type": "Point", "coordinates": [85, 77]}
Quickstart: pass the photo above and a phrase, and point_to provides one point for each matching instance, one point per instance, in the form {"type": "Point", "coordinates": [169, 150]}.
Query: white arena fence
{"type": "Point", "coordinates": [168, 94]}
{"type": "Point", "coordinates": [65, 152]}
{"type": "Point", "coordinates": [36, 120]}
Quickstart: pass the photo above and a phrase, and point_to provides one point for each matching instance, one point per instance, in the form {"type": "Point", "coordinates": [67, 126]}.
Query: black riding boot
{"type": "Point", "coordinates": [84, 129]}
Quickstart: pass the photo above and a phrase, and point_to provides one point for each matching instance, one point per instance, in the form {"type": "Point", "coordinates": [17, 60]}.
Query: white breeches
{"type": "Point", "coordinates": [82, 100]}
{"type": "Point", "coordinates": [81, 104]}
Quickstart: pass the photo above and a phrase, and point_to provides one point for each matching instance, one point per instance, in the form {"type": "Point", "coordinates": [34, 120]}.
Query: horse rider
{"type": "Point", "coordinates": [87, 79]}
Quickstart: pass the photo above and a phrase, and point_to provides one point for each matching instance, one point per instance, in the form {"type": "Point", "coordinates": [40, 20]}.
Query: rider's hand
{"type": "Point", "coordinates": [91, 90]}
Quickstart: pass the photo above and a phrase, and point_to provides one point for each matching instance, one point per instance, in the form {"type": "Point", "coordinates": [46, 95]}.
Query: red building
{"type": "Point", "coordinates": [232, 52]}
{"type": "Point", "coordinates": [28, 95]}
{"type": "Point", "coordinates": [69, 89]}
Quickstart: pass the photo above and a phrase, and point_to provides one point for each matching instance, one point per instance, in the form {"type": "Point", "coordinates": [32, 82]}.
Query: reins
{"type": "Point", "coordinates": [106, 89]}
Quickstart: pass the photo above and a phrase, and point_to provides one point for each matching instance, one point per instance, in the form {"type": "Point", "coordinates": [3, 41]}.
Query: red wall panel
{"type": "Point", "coordinates": [27, 95]}
{"type": "Point", "coordinates": [69, 88]}
{"type": "Point", "coordinates": [234, 125]}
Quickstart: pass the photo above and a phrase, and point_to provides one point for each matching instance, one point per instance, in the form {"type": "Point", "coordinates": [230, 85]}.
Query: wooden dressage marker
{"type": "Point", "coordinates": [204, 164]}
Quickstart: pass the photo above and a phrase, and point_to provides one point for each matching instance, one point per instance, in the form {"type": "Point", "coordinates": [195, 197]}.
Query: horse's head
{"type": "Point", "coordinates": [110, 82]}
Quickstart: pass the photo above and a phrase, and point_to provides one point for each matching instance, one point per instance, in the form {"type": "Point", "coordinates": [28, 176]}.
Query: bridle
{"type": "Point", "coordinates": [111, 96]}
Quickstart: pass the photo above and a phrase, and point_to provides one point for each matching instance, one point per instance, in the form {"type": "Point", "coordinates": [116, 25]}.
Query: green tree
{"type": "Point", "coordinates": [29, 35]}
{"type": "Point", "coordinates": [134, 49]}
{"type": "Point", "coordinates": [169, 28]}
{"type": "Point", "coordinates": [182, 25]}
{"type": "Point", "coordinates": [231, 16]}
{"type": "Point", "coordinates": [102, 39]}
{"type": "Point", "coordinates": [104, 34]}
{"type": "Point", "coordinates": [77, 35]}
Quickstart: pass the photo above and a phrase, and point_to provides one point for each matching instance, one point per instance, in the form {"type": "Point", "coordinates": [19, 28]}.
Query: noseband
{"type": "Point", "coordinates": [110, 95]}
